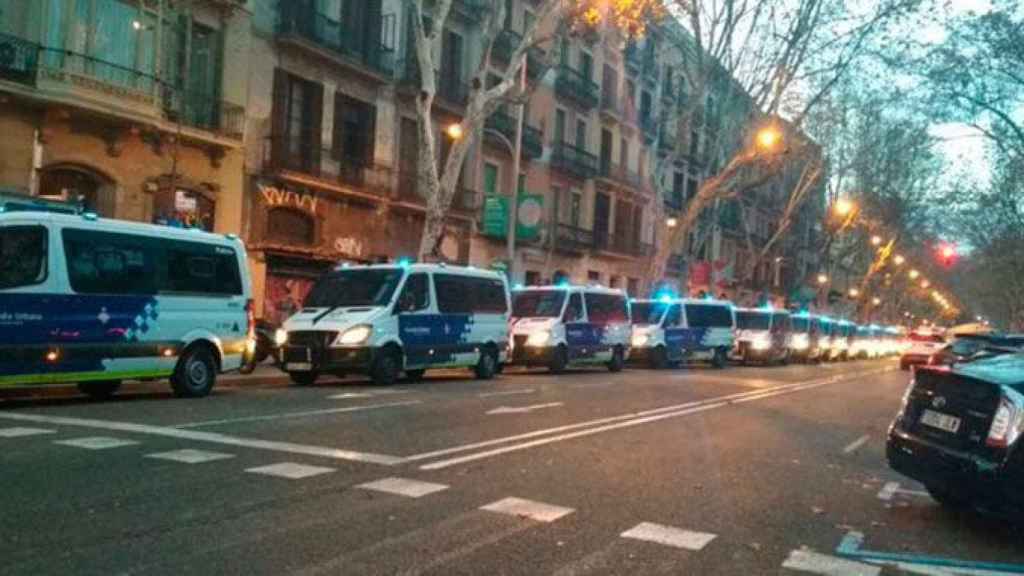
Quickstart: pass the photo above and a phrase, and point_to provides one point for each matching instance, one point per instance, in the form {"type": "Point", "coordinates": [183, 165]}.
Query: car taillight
{"type": "Point", "coordinates": [1006, 424]}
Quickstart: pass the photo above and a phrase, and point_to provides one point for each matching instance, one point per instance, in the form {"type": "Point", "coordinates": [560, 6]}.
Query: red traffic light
{"type": "Point", "coordinates": [947, 254]}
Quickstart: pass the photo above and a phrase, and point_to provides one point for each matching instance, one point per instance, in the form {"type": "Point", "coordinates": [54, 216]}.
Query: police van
{"type": "Point", "coordinates": [93, 301]}
{"type": "Point", "coordinates": [806, 340]}
{"type": "Point", "coordinates": [669, 331]}
{"type": "Point", "coordinates": [762, 334]}
{"type": "Point", "coordinates": [562, 326]}
{"type": "Point", "coordinates": [385, 319]}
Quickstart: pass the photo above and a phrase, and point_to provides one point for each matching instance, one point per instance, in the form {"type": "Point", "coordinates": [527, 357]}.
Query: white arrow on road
{"type": "Point", "coordinates": [522, 409]}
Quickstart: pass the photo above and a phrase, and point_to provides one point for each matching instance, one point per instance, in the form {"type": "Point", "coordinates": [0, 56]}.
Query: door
{"type": "Point", "coordinates": [602, 213]}
{"type": "Point", "coordinates": [577, 331]}
{"type": "Point", "coordinates": [581, 134]}
{"type": "Point", "coordinates": [675, 334]}
{"type": "Point", "coordinates": [202, 94]}
{"type": "Point", "coordinates": [559, 126]}
{"type": "Point", "coordinates": [606, 151]}
{"type": "Point", "coordinates": [451, 64]}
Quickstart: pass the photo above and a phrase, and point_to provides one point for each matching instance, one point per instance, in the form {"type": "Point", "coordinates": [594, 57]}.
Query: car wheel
{"type": "Point", "coordinates": [659, 358]}
{"type": "Point", "coordinates": [195, 374]}
{"type": "Point", "coordinates": [949, 498]}
{"type": "Point", "coordinates": [618, 360]}
{"type": "Point", "coordinates": [303, 378]}
{"type": "Point", "coordinates": [487, 365]}
{"type": "Point", "coordinates": [414, 375]}
{"type": "Point", "coordinates": [559, 360]}
{"type": "Point", "coordinates": [385, 368]}
{"type": "Point", "coordinates": [99, 390]}
{"type": "Point", "coordinates": [719, 359]}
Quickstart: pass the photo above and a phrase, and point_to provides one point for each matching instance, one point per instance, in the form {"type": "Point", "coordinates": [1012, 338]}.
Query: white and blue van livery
{"type": "Point", "coordinates": [672, 330]}
{"type": "Point", "coordinates": [94, 302]}
{"type": "Point", "coordinates": [762, 334]}
{"type": "Point", "coordinates": [384, 319]}
{"type": "Point", "coordinates": [561, 326]}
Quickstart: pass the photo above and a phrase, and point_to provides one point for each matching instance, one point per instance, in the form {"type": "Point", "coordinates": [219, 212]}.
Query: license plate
{"type": "Point", "coordinates": [940, 421]}
{"type": "Point", "coordinates": [298, 366]}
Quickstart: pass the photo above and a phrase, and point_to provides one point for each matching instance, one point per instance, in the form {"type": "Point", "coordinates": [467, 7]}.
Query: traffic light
{"type": "Point", "coordinates": [947, 254]}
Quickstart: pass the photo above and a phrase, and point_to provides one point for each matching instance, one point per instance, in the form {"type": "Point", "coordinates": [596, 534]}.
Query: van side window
{"type": "Point", "coordinates": [23, 256]}
{"type": "Point", "coordinates": [453, 294]}
{"type": "Point", "coordinates": [674, 317]}
{"type": "Point", "coordinates": [606, 308]}
{"type": "Point", "coordinates": [107, 263]}
{"type": "Point", "coordinates": [196, 268]}
{"type": "Point", "coordinates": [415, 295]}
{"type": "Point", "coordinates": [574, 309]}
{"type": "Point", "coordinates": [489, 296]}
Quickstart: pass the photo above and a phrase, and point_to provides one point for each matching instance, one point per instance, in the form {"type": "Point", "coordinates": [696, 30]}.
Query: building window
{"type": "Point", "coordinates": [532, 278]}
{"type": "Point", "coordinates": [559, 126]}
{"type": "Point", "coordinates": [581, 134]}
{"type": "Point", "coordinates": [593, 276]}
{"type": "Point", "coordinates": [633, 287]}
{"type": "Point", "coordinates": [290, 227]}
{"type": "Point", "coordinates": [298, 112]}
{"type": "Point", "coordinates": [575, 208]}
{"type": "Point", "coordinates": [490, 179]}
{"type": "Point", "coordinates": [354, 131]}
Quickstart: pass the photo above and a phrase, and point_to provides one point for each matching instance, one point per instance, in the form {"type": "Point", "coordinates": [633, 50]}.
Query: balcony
{"type": "Point", "coordinates": [623, 243]}
{"type": "Point", "coordinates": [359, 177]}
{"type": "Point", "coordinates": [572, 239]}
{"type": "Point", "coordinates": [467, 11]}
{"type": "Point", "coordinates": [19, 60]}
{"type": "Point", "coordinates": [450, 91]}
{"type": "Point", "coordinates": [411, 192]}
{"type": "Point", "coordinates": [573, 161]}
{"type": "Point", "coordinates": [505, 124]}
{"type": "Point", "coordinates": [611, 105]}
{"type": "Point", "coordinates": [633, 60]}
{"type": "Point", "coordinates": [342, 42]}
{"type": "Point", "coordinates": [619, 175]}
{"type": "Point", "coordinates": [577, 88]}
{"type": "Point", "coordinates": [668, 142]}
{"type": "Point", "coordinates": [650, 70]}
{"type": "Point", "coordinates": [506, 43]}
{"type": "Point", "coordinates": [204, 112]}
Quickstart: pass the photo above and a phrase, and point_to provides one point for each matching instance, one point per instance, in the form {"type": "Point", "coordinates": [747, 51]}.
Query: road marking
{"type": "Point", "coordinates": [507, 393]}
{"type": "Point", "coordinates": [210, 437]}
{"type": "Point", "coordinates": [669, 536]}
{"type": "Point", "coordinates": [815, 563]}
{"type": "Point", "coordinates": [853, 446]}
{"type": "Point", "coordinates": [747, 382]}
{"type": "Point", "coordinates": [97, 443]}
{"type": "Point", "coordinates": [850, 547]}
{"type": "Point", "coordinates": [302, 414]}
{"type": "Point", "coordinates": [21, 432]}
{"type": "Point", "coordinates": [623, 422]}
{"type": "Point", "coordinates": [522, 409]}
{"type": "Point", "coordinates": [348, 395]}
{"type": "Point", "coordinates": [290, 470]}
{"type": "Point", "coordinates": [189, 456]}
{"type": "Point", "coordinates": [403, 487]}
{"type": "Point", "coordinates": [593, 385]}
{"type": "Point", "coordinates": [893, 488]}
{"type": "Point", "coordinates": [538, 511]}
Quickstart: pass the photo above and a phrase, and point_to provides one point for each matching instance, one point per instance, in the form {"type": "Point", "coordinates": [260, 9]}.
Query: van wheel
{"type": "Point", "coordinates": [618, 360]}
{"type": "Point", "coordinates": [559, 360]}
{"type": "Point", "coordinates": [99, 390]}
{"type": "Point", "coordinates": [195, 374]}
{"type": "Point", "coordinates": [386, 368]}
{"type": "Point", "coordinates": [659, 358]}
{"type": "Point", "coordinates": [719, 359]}
{"type": "Point", "coordinates": [414, 375]}
{"type": "Point", "coordinates": [303, 378]}
{"type": "Point", "coordinates": [487, 366]}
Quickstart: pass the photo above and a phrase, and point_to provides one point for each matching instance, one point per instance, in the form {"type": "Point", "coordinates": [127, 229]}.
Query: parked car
{"type": "Point", "coordinates": [958, 432]}
{"type": "Point", "coordinates": [383, 319]}
{"type": "Point", "coordinates": [563, 326]}
{"type": "Point", "coordinates": [762, 335]}
{"type": "Point", "coordinates": [671, 330]}
{"type": "Point", "coordinates": [95, 301]}
{"type": "Point", "coordinates": [964, 347]}
{"type": "Point", "coordinates": [922, 345]}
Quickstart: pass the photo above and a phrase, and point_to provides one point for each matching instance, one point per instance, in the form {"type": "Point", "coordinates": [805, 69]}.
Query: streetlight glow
{"type": "Point", "coordinates": [822, 279]}
{"type": "Point", "coordinates": [898, 259]}
{"type": "Point", "coordinates": [876, 240]}
{"type": "Point", "coordinates": [454, 131]}
{"type": "Point", "coordinates": [768, 138]}
{"type": "Point", "coordinates": [876, 300]}
{"type": "Point", "coordinates": [914, 274]}
{"type": "Point", "coordinates": [925, 284]}
{"type": "Point", "coordinates": [854, 292]}
{"type": "Point", "coordinates": [843, 207]}
{"type": "Point", "coordinates": [671, 222]}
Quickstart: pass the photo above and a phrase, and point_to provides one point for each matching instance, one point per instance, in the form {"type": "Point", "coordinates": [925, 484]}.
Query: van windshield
{"type": "Point", "coordinates": [801, 323]}
{"type": "Point", "coordinates": [708, 316]}
{"type": "Point", "coordinates": [538, 303]}
{"type": "Point", "coordinates": [354, 288]}
{"type": "Point", "coordinates": [750, 320]}
{"type": "Point", "coordinates": [646, 313]}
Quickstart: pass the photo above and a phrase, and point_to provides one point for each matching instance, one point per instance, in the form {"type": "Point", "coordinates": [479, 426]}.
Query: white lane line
{"type": "Point", "coordinates": [669, 536]}
{"type": "Point", "coordinates": [856, 444]}
{"type": "Point", "coordinates": [507, 393]}
{"type": "Point", "coordinates": [888, 491]}
{"type": "Point", "coordinates": [522, 409]}
{"type": "Point", "coordinates": [97, 443]}
{"type": "Point", "coordinates": [21, 432]}
{"type": "Point", "coordinates": [815, 563]}
{"type": "Point", "coordinates": [538, 511]}
{"type": "Point", "coordinates": [210, 437]}
{"type": "Point", "coordinates": [629, 416]}
{"type": "Point", "coordinates": [190, 456]}
{"type": "Point", "coordinates": [593, 385]}
{"type": "Point", "coordinates": [302, 414]}
{"type": "Point", "coordinates": [349, 395]}
{"type": "Point", "coordinates": [290, 470]}
{"type": "Point", "coordinates": [403, 487]}
{"type": "Point", "coordinates": [749, 383]}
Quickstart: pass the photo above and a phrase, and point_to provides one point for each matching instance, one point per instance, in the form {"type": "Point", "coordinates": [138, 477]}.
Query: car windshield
{"type": "Point", "coordinates": [645, 313]}
{"type": "Point", "coordinates": [751, 320]}
{"type": "Point", "coordinates": [369, 287]}
{"type": "Point", "coordinates": [538, 303]}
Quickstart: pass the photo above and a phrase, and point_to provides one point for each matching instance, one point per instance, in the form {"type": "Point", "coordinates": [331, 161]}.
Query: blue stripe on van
{"type": "Point", "coordinates": [444, 334]}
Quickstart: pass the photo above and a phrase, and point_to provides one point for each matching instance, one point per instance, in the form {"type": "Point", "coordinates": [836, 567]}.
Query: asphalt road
{"type": "Point", "coordinates": [692, 471]}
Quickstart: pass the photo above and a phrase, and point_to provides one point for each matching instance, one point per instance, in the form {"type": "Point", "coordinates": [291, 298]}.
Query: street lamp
{"type": "Point", "coordinates": [898, 260]}
{"type": "Point", "coordinates": [876, 240]}
{"type": "Point", "coordinates": [768, 138]}
{"type": "Point", "coordinates": [914, 274]}
{"type": "Point", "coordinates": [843, 207]}
{"type": "Point", "coordinates": [822, 279]}
{"type": "Point", "coordinates": [671, 222]}
{"type": "Point", "coordinates": [925, 284]}
{"type": "Point", "coordinates": [454, 131]}
{"type": "Point", "coordinates": [876, 301]}
{"type": "Point", "coordinates": [854, 293]}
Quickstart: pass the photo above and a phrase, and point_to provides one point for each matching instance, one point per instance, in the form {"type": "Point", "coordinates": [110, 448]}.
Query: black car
{"type": "Point", "coordinates": [965, 347]}
{"type": "Point", "coordinates": [958, 433]}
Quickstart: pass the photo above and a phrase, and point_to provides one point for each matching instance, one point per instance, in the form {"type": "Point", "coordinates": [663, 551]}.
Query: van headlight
{"type": "Point", "coordinates": [761, 343]}
{"type": "Point", "coordinates": [539, 338]}
{"type": "Point", "coordinates": [640, 340]}
{"type": "Point", "coordinates": [280, 337]}
{"type": "Point", "coordinates": [800, 342]}
{"type": "Point", "coordinates": [353, 336]}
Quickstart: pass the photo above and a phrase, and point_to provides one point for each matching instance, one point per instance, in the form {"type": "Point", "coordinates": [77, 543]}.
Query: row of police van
{"type": "Point", "coordinates": [96, 302]}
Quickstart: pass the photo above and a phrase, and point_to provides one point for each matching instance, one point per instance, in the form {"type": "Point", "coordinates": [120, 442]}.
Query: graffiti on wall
{"type": "Point", "coordinates": [276, 197]}
{"type": "Point", "coordinates": [349, 246]}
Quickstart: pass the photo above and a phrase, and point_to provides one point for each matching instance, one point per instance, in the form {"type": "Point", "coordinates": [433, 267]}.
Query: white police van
{"type": "Point", "coordinates": [562, 326]}
{"type": "Point", "coordinates": [95, 301]}
{"type": "Point", "coordinates": [671, 330]}
{"type": "Point", "coordinates": [384, 319]}
{"type": "Point", "coordinates": [762, 334]}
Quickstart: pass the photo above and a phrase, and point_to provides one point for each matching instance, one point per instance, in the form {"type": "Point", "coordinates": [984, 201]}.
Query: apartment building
{"type": "Point", "coordinates": [133, 108]}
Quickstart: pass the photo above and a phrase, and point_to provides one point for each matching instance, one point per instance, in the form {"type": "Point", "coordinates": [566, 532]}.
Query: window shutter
{"type": "Point", "coordinates": [279, 118]}
{"type": "Point", "coordinates": [315, 116]}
